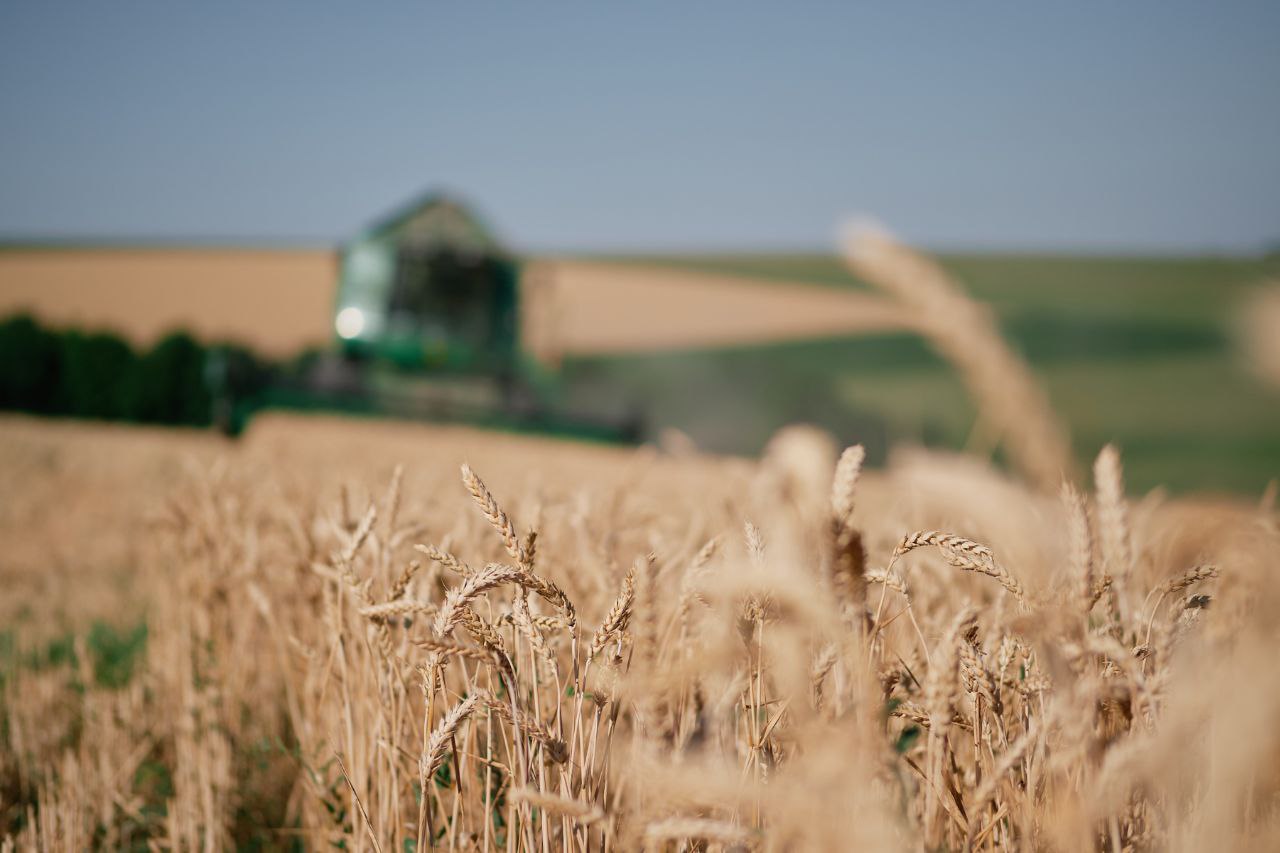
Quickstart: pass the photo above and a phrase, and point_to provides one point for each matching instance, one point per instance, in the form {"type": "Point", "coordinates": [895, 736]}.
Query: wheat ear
{"type": "Point", "coordinates": [460, 596]}
{"type": "Point", "coordinates": [494, 514]}
{"type": "Point", "coordinates": [576, 810]}
{"type": "Point", "coordinates": [615, 621]}
{"type": "Point", "coordinates": [437, 745]}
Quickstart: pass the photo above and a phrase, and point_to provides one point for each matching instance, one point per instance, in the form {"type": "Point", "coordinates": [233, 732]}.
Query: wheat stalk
{"type": "Point", "coordinates": [965, 333]}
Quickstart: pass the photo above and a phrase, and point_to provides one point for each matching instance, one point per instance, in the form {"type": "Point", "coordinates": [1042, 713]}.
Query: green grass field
{"type": "Point", "coordinates": [1140, 351]}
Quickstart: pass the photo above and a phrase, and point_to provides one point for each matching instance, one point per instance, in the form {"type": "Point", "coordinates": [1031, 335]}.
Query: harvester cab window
{"type": "Point", "coordinates": [447, 291]}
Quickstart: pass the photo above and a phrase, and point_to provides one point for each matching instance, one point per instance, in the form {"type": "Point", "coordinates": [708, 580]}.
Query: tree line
{"type": "Point", "coordinates": [97, 374]}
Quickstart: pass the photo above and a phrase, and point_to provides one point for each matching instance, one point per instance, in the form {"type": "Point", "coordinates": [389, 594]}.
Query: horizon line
{"type": "Point", "coordinates": [12, 242]}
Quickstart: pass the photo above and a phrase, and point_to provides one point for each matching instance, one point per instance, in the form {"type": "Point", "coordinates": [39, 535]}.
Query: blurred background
{"type": "Point", "coordinates": [618, 224]}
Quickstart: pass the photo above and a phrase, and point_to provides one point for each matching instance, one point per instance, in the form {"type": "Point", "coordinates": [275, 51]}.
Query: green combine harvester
{"type": "Point", "coordinates": [426, 326]}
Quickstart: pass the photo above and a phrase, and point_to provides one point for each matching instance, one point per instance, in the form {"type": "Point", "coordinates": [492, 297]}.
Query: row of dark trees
{"type": "Point", "coordinates": [99, 375]}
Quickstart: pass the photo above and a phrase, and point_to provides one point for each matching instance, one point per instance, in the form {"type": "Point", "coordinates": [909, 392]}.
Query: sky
{"type": "Point", "coordinates": [647, 126]}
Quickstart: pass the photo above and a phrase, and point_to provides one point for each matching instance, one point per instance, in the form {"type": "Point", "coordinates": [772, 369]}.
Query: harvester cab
{"type": "Point", "coordinates": [430, 288]}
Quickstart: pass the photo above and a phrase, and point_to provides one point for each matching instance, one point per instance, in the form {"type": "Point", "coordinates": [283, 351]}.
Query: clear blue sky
{"type": "Point", "coordinates": [605, 126]}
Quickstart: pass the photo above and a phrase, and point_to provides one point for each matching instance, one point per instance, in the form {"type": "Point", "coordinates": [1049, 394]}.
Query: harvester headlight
{"type": "Point", "coordinates": [349, 323]}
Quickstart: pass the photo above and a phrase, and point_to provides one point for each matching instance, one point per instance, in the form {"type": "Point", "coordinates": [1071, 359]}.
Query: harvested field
{"type": "Point", "coordinates": [524, 644]}
{"type": "Point", "coordinates": [275, 300]}
{"type": "Point", "coordinates": [611, 308]}
{"type": "Point", "coordinates": [280, 301]}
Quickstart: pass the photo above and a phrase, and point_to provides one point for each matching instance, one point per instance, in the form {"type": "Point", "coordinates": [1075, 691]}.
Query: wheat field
{"type": "Point", "coordinates": [378, 636]}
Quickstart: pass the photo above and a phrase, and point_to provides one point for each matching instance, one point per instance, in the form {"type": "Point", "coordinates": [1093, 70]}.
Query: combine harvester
{"type": "Point", "coordinates": [426, 326]}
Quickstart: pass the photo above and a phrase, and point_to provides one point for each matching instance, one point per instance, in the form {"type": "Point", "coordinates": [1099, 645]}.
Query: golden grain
{"type": "Point", "coordinates": [302, 672]}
